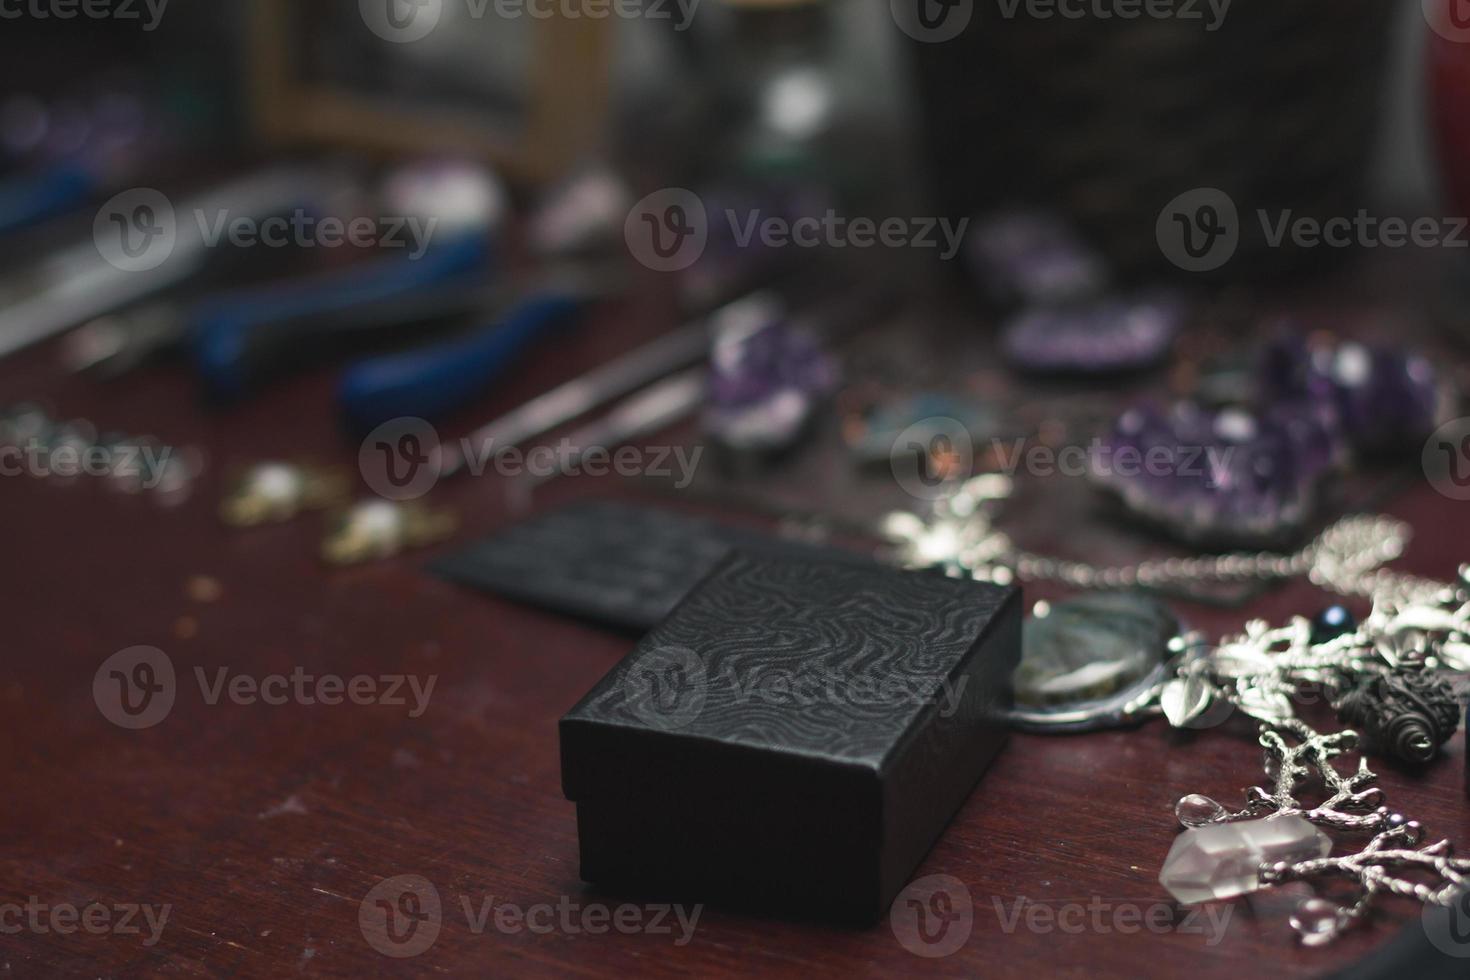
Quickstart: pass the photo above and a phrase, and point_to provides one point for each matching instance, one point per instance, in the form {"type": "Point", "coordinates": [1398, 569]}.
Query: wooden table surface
{"type": "Point", "coordinates": [263, 828]}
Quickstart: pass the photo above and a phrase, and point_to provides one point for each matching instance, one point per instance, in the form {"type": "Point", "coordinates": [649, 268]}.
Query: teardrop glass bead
{"type": "Point", "coordinates": [1316, 920]}
{"type": "Point", "coordinates": [1195, 810]}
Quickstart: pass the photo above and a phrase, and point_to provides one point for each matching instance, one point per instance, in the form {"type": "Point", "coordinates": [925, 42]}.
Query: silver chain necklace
{"type": "Point", "coordinates": [1385, 677]}
{"type": "Point", "coordinates": [1347, 558]}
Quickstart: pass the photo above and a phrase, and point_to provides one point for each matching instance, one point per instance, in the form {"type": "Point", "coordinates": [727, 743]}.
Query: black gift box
{"type": "Point", "coordinates": [793, 737]}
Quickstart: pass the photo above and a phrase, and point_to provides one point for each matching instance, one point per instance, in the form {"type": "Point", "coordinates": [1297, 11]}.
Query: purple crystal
{"type": "Point", "coordinates": [1230, 477]}
{"type": "Point", "coordinates": [1387, 400]}
{"type": "Point", "coordinates": [1110, 336]}
{"type": "Point", "coordinates": [1032, 257]}
{"type": "Point", "coordinates": [767, 376]}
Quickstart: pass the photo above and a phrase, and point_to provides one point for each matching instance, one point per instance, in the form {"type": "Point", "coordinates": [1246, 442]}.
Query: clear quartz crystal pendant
{"type": "Point", "coordinates": [1224, 860]}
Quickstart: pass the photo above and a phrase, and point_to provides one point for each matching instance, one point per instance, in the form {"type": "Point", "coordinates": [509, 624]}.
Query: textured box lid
{"type": "Point", "coordinates": [777, 675]}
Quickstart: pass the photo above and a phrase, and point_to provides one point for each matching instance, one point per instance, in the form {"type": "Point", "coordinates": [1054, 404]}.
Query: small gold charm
{"type": "Point", "coordinates": [271, 492]}
{"type": "Point", "coordinates": [381, 528]}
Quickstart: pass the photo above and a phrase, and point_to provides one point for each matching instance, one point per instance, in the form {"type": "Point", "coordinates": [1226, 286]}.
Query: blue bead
{"type": "Point", "coordinates": [1332, 622]}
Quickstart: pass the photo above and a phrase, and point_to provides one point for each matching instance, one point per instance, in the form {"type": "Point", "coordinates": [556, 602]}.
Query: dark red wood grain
{"type": "Point", "coordinates": [264, 827]}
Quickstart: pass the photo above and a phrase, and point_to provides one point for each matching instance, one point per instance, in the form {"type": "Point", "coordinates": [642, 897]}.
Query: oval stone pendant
{"type": "Point", "coordinates": [1084, 660]}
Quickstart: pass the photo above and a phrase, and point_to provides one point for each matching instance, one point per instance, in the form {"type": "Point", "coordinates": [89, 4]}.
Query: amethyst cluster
{"type": "Point", "coordinates": [1227, 478]}
{"type": "Point", "coordinates": [1110, 336]}
{"type": "Point", "coordinates": [1263, 468]}
{"type": "Point", "coordinates": [1067, 320]}
{"type": "Point", "coordinates": [1387, 401]}
{"type": "Point", "coordinates": [767, 377]}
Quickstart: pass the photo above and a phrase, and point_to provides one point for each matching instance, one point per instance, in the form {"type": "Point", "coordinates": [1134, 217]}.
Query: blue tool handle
{"type": "Point", "coordinates": [231, 335]}
{"type": "Point", "coordinates": [36, 197]}
{"type": "Point", "coordinates": [434, 380]}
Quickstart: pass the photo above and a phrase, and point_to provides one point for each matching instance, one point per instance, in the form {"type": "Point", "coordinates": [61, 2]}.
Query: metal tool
{"type": "Point", "coordinates": [678, 397]}
{"type": "Point", "coordinates": [431, 381]}
{"type": "Point", "coordinates": [570, 400]}
{"type": "Point", "coordinates": [242, 339]}
{"type": "Point", "coordinates": [116, 343]}
{"type": "Point", "coordinates": [238, 339]}
{"type": "Point", "coordinates": [656, 407]}
{"type": "Point", "coordinates": [370, 529]}
{"type": "Point", "coordinates": [687, 344]}
{"type": "Point", "coordinates": [246, 336]}
{"type": "Point", "coordinates": [671, 390]}
{"type": "Point", "coordinates": [78, 283]}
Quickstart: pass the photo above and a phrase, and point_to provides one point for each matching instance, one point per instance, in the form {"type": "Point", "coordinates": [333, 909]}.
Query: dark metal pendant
{"type": "Point", "coordinates": [1406, 716]}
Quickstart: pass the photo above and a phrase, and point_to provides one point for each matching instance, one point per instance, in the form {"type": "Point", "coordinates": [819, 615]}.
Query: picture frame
{"type": "Point", "coordinates": [562, 119]}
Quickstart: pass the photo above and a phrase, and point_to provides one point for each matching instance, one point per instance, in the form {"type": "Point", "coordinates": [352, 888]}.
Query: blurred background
{"type": "Point", "coordinates": [902, 226]}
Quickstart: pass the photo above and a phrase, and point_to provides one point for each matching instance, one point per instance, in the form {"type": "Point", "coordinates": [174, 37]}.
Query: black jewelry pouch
{"type": "Point", "coordinates": [793, 737]}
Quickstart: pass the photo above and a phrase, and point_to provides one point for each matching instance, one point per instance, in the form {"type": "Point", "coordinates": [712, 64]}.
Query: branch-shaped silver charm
{"type": "Point", "coordinates": [1353, 804]}
{"type": "Point", "coordinates": [1386, 673]}
{"type": "Point", "coordinates": [1385, 678]}
{"type": "Point", "coordinates": [1313, 753]}
{"type": "Point", "coordinates": [1319, 921]}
